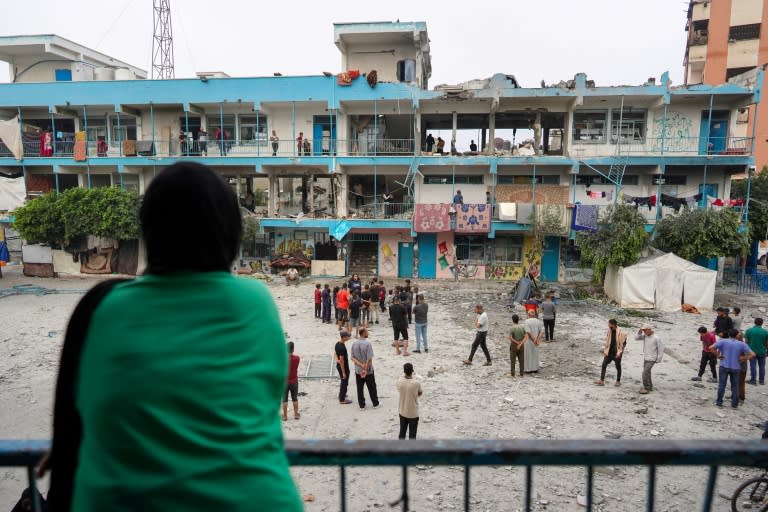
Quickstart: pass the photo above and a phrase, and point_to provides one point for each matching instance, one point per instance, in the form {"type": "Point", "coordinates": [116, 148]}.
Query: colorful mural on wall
{"type": "Point", "coordinates": [513, 271]}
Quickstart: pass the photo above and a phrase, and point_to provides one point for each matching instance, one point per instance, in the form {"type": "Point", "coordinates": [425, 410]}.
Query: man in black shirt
{"type": "Point", "coordinates": [723, 323]}
{"type": "Point", "coordinates": [374, 312]}
{"type": "Point", "coordinates": [399, 319]}
{"type": "Point", "coordinates": [365, 308]}
{"type": "Point", "coordinates": [355, 305]}
{"type": "Point", "coordinates": [342, 366]}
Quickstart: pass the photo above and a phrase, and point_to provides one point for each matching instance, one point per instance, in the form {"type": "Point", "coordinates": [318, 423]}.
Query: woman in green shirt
{"type": "Point", "coordinates": [177, 375]}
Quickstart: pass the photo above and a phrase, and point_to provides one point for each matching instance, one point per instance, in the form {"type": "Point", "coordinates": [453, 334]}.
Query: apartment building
{"type": "Point", "coordinates": [727, 41]}
{"type": "Point", "coordinates": [342, 165]}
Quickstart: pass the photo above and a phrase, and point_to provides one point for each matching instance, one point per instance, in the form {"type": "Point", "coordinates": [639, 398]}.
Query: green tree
{"type": "Point", "coordinates": [758, 203]}
{"type": "Point", "coordinates": [39, 221]}
{"type": "Point", "coordinates": [56, 219]}
{"type": "Point", "coordinates": [619, 240]}
{"type": "Point", "coordinates": [702, 233]}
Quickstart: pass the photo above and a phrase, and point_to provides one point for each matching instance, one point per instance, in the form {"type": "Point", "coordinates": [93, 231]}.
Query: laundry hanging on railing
{"type": "Point", "coordinates": [605, 194]}
{"type": "Point", "coordinates": [729, 203]}
{"type": "Point", "coordinates": [649, 201]}
{"type": "Point", "coordinates": [585, 217]}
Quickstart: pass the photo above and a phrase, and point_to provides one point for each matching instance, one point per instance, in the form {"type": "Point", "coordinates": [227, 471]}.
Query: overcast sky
{"type": "Point", "coordinates": [613, 41]}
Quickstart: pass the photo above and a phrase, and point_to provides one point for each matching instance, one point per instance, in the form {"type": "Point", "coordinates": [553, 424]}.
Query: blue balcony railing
{"type": "Point", "coordinates": [469, 454]}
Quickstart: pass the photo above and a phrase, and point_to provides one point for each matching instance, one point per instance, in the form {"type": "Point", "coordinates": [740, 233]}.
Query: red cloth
{"type": "Point", "coordinates": [293, 369]}
{"type": "Point", "coordinates": [431, 218]}
{"type": "Point", "coordinates": [46, 144]}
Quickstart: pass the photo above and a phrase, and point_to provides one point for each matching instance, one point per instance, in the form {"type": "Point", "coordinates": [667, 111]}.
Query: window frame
{"type": "Point", "coordinates": [617, 114]}
{"type": "Point", "coordinates": [469, 245]}
{"type": "Point", "coordinates": [447, 179]}
{"type": "Point", "coordinates": [517, 246]}
{"type": "Point", "coordinates": [576, 137]}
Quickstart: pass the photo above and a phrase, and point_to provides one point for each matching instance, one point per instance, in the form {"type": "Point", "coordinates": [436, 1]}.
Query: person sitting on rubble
{"type": "Point", "coordinates": [292, 276]}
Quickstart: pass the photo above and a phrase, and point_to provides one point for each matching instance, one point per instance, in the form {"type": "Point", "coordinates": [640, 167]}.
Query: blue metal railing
{"type": "Point", "coordinates": [469, 454]}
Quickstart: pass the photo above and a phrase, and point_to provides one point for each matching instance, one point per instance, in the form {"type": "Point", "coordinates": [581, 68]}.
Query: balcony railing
{"type": "Point", "coordinates": [381, 211]}
{"type": "Point", "coordinates": [469, 454]}
{"type": "Point", "coordinates": [692, 145]}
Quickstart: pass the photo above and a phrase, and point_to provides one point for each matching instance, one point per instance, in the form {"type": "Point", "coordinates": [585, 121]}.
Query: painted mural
{"type": "Point", "coordinates": [513, 271]}
{"type": "Point", "coordinates": [678, 134]}
{"type": "Point", "coordinates": [289, 246]}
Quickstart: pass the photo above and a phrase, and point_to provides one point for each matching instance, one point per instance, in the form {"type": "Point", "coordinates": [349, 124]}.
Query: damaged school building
{"type": "Point", "coordinates": [341, 168]}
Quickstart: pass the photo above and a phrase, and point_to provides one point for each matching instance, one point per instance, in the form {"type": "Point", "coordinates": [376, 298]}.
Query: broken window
{"type": "Point", "coordinates": [406, 70]}
{"type": "Point", "coordinates": [589, 126]}
{"type": "Point", "coordinates": [508, 249]}
{"type": "Point", "coordinates": [470, 247]}
{"type": "Point", "coordinates": [744, 32]}
{"type": "Point", "coordinates": [543, 179]}
{"type": "Point", "coordinates": [630, 126]}
{"type": "Point", "coordinates": [254, 128]}
{"type": "Point", "coordinates": [732, 72]}
{"type": "Point", "coordinates": [699, 32]}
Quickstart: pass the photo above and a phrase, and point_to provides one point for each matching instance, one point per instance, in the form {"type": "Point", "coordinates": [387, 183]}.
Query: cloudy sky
{"type": "Point", "coordinates": [613, 41]}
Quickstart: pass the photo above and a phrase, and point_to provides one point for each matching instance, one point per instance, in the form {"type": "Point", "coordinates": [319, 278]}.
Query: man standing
{"type": "Point", "coordinates": [342, 366]}
{"type": "Point", "coordinates": [362, 357]}
{"type": "Point", "coordinates": [342, 304]}
{"type": "Point", "coordinates": [517, 337]}
{"type": "Point", "coordinates": [731, 353]}
{"type": "Point", "coordinates": [318, 300]}
{"type": "Point", "coordinates": [374, 308]}
{"type": "Point", "coordinates": [653, 351]}
{"type": "Point", "coordinates": [399, 326]}
{"type": "Point", "coordinates": [707, 354]}
{"type": "Point", "coordinates": [408, 407]}
{"type": "Point", "coordinates": [458, 198]}
{"type": "Point", "coordinates": [548, 312]}
{"type": "Point", "coordinates": [615, 341]}
{"type": "Point", "coordinates": [293, 384]}
{"type": "Point", "coordinates": [481, 324]}
{"type": "Point", "coordinates": [382, 296]}
{"type": "Point", "coordinates": [534, 332]}
{"type": "Point", "coordinates": [355, 306]}
{"type": "Point", "coordinates": [326, 300]}
{"type": "Point", "coordinates": [757, 338]}
{"type": "Point", "coordinates": [420, 311]}
{"type": "Point", "coordinates": [365, 308]}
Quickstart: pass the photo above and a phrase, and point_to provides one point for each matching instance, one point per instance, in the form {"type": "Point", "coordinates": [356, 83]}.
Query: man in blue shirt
{"type": "Point", "coordinates": [458, 198]}
{"type": "Point", "coordinates": [731, 353]}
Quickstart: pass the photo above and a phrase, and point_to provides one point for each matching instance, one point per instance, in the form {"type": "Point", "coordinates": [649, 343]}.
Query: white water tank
{"type": "Point", "coordinates": [124, 74]}
{"type": "Point", "coordinates": [103, 74]}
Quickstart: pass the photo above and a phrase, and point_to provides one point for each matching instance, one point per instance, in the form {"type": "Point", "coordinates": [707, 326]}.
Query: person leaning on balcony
{"type": "Point", "coordinates": [169, 382]}
{"type": "Point", "coordinates": [299, 143]}
{"type": "Point", "coordinates": [458, 198]}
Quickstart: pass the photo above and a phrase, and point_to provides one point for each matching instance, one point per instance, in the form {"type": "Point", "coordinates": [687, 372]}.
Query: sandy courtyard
{"type": "Point", "coordinates": [459, 402]}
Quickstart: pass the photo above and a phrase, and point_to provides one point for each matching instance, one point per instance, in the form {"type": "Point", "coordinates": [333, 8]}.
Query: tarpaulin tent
{"type": "Point", "coordinates": [663, 281]}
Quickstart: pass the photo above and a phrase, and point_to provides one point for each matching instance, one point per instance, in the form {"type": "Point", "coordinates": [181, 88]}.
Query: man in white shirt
{"type": "Point", "coordinates": [653, 351]}
{"type": "Point", "coordinates": [481, 323]}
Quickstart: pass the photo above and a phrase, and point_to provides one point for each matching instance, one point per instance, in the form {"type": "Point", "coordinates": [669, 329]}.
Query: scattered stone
{"type": "Point", "coordinates": [641, 410]}
{"type": "Point", "coordinates": [698, 385]}
{"type": "Point", "coordinates": [612, 435]}
{"type": "Point", "coordinates": [655, 433]}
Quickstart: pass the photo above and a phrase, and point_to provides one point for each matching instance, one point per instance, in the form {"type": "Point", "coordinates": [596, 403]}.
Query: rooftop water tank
{"type": "Point", "coordinates": [124, 74]}
{"type": "Point", "coordinates": [103, 74]}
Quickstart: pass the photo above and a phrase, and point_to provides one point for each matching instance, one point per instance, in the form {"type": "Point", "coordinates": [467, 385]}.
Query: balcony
{"type": "Point", "coordinates": [521, 456]}
{"type": "Point", "coordinates": [395, 211]}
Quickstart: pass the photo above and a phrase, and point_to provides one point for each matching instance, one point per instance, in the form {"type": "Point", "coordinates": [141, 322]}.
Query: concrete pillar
{"type": "Point", "coordinates": [417, 133]}
{"type": "Point", "coordinates": [567, 118]}
{"type": "Point", "coordinates": [274, 191]}
{"type": "Point", "coordinates": [537, 133]}
{"type": "Point", "coordinates": [491, 133]}
{"type": "Point", "coordinates": [455, 125]}
{"type": "Point", "coordinates": [341, 195]}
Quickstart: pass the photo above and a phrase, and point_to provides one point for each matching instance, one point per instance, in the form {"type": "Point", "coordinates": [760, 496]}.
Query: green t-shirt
{"type": "Point", "coordinates": [755, 337]}
{"type": "Point", "coordinates": [517, 332]}
{"type": "Point", "coordinates": [179, 386]}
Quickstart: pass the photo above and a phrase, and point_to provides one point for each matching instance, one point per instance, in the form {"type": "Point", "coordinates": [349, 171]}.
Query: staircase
{"type": "Point", "coordinates": [363, 260]}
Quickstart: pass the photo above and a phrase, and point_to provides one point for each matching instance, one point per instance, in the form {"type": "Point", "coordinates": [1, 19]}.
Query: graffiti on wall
{"type": "Point", "coordinates": [677, 134]}
{"type": "Point", "coordinates": [504, 271]}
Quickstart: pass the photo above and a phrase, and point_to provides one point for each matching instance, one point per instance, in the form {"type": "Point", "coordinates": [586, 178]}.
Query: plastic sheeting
{"type": "Point", "coordinates": [12, 193]}
{"type": "Point", "coordinates": [663, 282]}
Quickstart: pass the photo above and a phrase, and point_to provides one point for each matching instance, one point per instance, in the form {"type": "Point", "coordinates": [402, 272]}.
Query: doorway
{"type": "Point", "coordinates": [324, 135]}
{"type": "Point", "coordinates": [405, 260]}
{"type": "Point", "coordinates": [713, 137]}
{"type": "Point", "coordinates": [427, 255]}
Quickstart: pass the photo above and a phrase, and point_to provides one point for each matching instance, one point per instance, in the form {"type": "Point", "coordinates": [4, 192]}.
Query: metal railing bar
{"type": "Point", "coordinates": [405, 489]}
{"type": "Point", "coordinates": [590, 486]}
{"type": "Point", "coordinates": [466, 488]}
{"type": "Point", "coordinates": [528, 487]}
{"type": "Point", "coordinates": [710, 494]}
{"type": "Point", "coordinates": [651, 488]}
{"type": "Point", "coordinates": [32, 479]}
{"type": "Point", "coordinates": [343, 487]}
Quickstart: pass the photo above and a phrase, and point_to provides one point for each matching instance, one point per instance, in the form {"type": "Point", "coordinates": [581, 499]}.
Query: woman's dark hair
{"type": "Point", "coordinates": [190, 220]}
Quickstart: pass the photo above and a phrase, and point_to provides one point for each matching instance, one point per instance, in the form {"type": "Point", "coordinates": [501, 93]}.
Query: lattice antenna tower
{"type": "Point", "coordinates": [162, 40]}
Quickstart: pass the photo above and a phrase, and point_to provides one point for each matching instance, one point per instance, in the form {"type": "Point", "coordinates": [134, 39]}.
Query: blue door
{"type": "Point", "coordinates": [404, 260]}
{"type": "Point", "coordinates": [713, 137]}
{"type": "Point", "coordinates": [550, 260]}
{"type": "Point", "coordinates": [707, 189]}
{"type": "Point", "coordinates": [324, 135]}
{"type": "Point", "coordinates": [428, 255]}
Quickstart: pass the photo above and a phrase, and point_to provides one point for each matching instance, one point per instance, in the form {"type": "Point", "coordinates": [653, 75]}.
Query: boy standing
{"type": "Point", "coordinates": [707, 354]}
{"type": "Point", "coordinates": [318, 300]}
{"type": "Point", "coordinates": [342, 304]}
{"type": "Point", "coordinates": [409, 390]}
{"type": "Point", "coordinates": [293, 384]}
{"type": "Point", "coordinates": [517, 337]}
{"type": "Point", "coordinates": [342, 366]}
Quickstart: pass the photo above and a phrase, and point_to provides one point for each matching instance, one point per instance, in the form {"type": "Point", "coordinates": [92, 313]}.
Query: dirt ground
{"type": "Point", "coordinates": [475, 402]}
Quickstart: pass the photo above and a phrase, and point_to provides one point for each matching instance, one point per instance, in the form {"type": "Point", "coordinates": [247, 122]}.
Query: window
{"type": "Point", "coordinates": [127, 130]}
{"type": "Point", "coordinates": [699, 32]}
{"type": "Point", "coordinates": [543, 179]}
{"type": "Point", "coordinates": [214, 122]}
{"type": "Point", "coordinates": [732, 72]}
{"type": "Point", "coordinates": [406, 70]}
{"type": "Point", "coordinates": [508, 248]}
{"type": "Point", "coordinates": [630, 126]}
{"type": "Point", "coordinates": [586, 179]}
{"type": "Point", "coordinates": [744, 32]}
{"type": "Point", "coordinates": [97, 127]}
{"type": "Point", "coordinates": [448, 180]}
{"type": "Point", "coordinates": [254, 128]}
{"type": "Point", "coordinates": [126, 181]}
{"type": "Point", "coordinates": [100, 180]}
{"type": "Point", "coordinates": [470, 248]}
{"type": "Point", "coordinates": [589, 126]}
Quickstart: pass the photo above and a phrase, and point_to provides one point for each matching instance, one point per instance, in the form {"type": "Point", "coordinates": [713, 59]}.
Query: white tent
{"type": "Point", "coordinates": [12, 193]}
{"type": "Point", "coordinates": [662, 282]}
